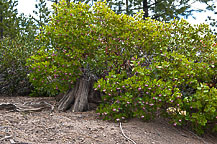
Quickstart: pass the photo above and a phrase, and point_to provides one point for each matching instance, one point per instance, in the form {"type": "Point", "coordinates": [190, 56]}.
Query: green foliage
{"type": "Point", "coordinates": [211, 19]}
{"type": "Point", "coordinates": [42, 13]}
{"type": "Point", "coordinates": [12, 61]}
{"type": "Point", "coordinates": [14, 49]}
{"type": "Point", "coordinates": [8, 18]}
{"type": "Point", "coordinates": [211, 8]}
{"type": "Point", "coordinates": [163, 10]}
{"type": "Point", "coordinates": [179, 82]}
{"type": "Point", "coordinates": [80, 41]}
{"type": "Point", "coordinates": [148, 68]}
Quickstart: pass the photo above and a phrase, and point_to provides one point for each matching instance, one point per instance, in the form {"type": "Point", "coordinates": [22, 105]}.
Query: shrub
{"type": "Point", "coordinates": [83, 41]}
{"type": "Point", "coordinates": [179, 82]}
{"type": "Point", "coordinates": [148, 68]}
{"type": "Point", "coordinates": [14, 51]}
{"type": "Point", "coordinates": [12, 61]}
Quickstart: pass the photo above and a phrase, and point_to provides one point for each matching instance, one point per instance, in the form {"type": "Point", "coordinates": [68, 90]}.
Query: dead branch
{"type": "Point", "coordinates": [126, 136]}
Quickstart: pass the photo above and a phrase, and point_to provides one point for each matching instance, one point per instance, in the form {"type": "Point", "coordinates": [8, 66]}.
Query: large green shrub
{"type": "Point", "coordinates": [148, 67]}
{"type": "Point", "coordinates": [179, 82]}
{"type": "Point", "coordinates": [172, 86]}
{"type": "Point", "coordinates": [17, 44]}
{"type": "Point", "coordinates": [81, 41]}
{"type": "Point", "coordinates": [13, 54]}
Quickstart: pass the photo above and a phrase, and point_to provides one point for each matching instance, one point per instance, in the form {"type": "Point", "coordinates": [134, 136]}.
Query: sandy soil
{"type": "Point", "coordinates": [52, 127]}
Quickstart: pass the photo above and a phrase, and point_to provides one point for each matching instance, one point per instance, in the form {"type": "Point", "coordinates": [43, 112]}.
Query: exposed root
{"type": "Point", "coordinates": [126, 136]}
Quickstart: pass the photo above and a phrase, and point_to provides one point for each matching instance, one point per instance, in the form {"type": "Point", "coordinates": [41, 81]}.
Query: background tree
{"type": "Point", "coordinates": [42, 13]}
{"type": "Point", "coordinates": [157, 9]}
{"type": "Point", "coordinates": [68, 1]}
{"type": "Point", "coordinates": [18, 43]}
{"type": "Point", "coordinates": [55, 1]}
{"type": "Point", "coordinates": [9, 25]}
{"type": "Point", "coordinates": [210, 19]}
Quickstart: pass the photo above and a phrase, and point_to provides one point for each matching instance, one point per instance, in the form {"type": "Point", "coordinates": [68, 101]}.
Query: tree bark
{"type": "Point", "coordinates": [68, 98]}
{"type": "Point", "coordinates": [127, 7]}
{"type": "Point", "coordinates": [79, 98]}
{"type": "Point", "coordinates": [145, 8]}
{"type": "Point", "coordinates": [1, 29]}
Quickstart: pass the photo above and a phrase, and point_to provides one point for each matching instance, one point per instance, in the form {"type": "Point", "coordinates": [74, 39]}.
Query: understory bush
{"type": "Point", "coordinates": [173, 86]}
{"type": "Point", "coordinates": [147, 68]}
{"type": "Point", "coordinates": [14, 50]}
{"type": "Point", "coordinates": [82, 42]}
{"type": "Point", "coordinates": [179, 82]}
{"type": "Point", "coordinates": [13, 54]}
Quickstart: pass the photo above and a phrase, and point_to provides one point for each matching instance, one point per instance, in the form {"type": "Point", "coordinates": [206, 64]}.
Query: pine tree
{"type": "Point", "coordinates": [42, 12]}
{"type": "Point", "coordinates": [9, 23]}
{"type": "Point", "coordinates": [212, 21]}
{"type": "Point", "coordinates": [157, 9]}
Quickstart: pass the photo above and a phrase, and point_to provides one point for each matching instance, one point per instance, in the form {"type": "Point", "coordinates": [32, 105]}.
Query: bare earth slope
{"type": "Point", "coordinates": [44, 126]}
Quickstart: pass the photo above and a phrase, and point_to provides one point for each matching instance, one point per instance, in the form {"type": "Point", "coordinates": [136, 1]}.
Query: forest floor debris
{"type": "Point", "coordinates": [49, 126]}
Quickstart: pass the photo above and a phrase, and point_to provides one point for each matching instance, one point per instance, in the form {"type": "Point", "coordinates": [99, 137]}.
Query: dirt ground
{"type": "Point", "coordinates": [52, 127]}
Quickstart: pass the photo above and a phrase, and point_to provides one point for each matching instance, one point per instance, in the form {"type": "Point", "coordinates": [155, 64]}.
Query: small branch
{"type": "Point", "coordinates": [155, 3]}
{"type": "Point", "coordinates": [51, 106]}
{"type": "Point", "coordinates": [12, 141]}
{"type": "Point", "coordinates": [6, 137]}
{"type": "Point", "coordinates": [126, 136]}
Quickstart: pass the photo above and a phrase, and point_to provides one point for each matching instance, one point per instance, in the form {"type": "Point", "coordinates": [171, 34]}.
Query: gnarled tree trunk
{"type": "Point", "coordinates": [79, 98]}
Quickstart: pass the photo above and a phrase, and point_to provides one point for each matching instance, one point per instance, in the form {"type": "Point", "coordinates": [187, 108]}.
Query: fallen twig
{"type": "Point", "coordinates": [26, 108]}
{"type": "Point", "coordinates": [52, 107]}
{"type": "Point", "coordinates": [126, 136]}
{"type": "Point", "coordinates": [6, 137]}
{"type": "Point", "coordinates": [12, 141]}
{"type": "Point", "coordinates": [29, 109]}
{"type": "Point", "coordinates": [7, 106]}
